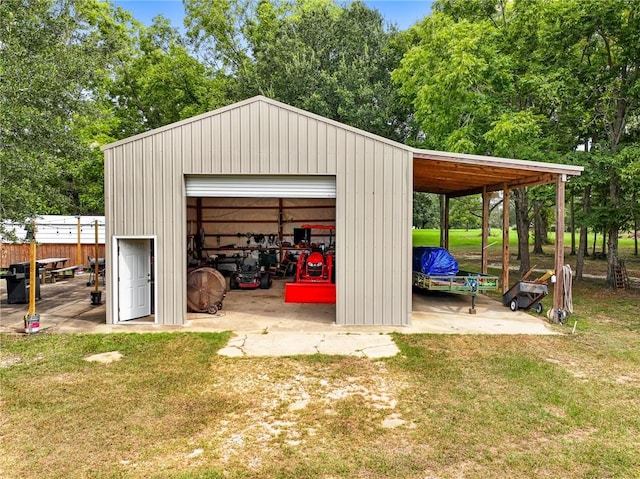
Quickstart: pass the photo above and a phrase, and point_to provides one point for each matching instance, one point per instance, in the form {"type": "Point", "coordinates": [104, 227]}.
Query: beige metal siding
{"type": "Point", "coordinates": [145, 195]}
{"type": "Point", "coordinates": [373, 233]}
{"type": "Point", "coordinates": [260, 138]}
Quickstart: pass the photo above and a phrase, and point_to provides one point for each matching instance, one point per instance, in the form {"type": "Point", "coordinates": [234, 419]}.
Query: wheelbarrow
{"type": "Point", "coordinates": [525, 295]}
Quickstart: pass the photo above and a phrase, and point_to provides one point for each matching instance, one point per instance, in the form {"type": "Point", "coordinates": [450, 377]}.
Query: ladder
{"type": "Point", "coordinates": [621, 276]}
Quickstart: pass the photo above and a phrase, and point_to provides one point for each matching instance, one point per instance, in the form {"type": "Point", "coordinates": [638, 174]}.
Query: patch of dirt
{"type": "Point", "coordinates": [288, 410]}
{"type": "Point", "coordinates": [575, 369]}
{"type": "Point", "coordinates": [626, 379]}
{"type": "Point", "coordinates": [104, 358]}
{"type": "Point", "coordinates": [578, 435]}
{"type": "Point", "coordinates": [9, 361]}
{"type": "Point", "coordinates": [556, 411]}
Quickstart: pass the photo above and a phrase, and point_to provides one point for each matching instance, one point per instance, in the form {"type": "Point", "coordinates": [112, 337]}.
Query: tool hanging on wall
{"type": "Point", "coordinates": [199, 242]}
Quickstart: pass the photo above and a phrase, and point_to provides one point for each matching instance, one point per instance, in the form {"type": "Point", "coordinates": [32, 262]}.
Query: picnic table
{"type": "Point", "coordinates": [54, 267]}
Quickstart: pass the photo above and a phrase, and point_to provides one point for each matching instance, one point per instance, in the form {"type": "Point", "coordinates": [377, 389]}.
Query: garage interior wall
{"type": "Point", "coordinates": [228, 221]}
{"type": "Point", "coordinates": [145, 195]}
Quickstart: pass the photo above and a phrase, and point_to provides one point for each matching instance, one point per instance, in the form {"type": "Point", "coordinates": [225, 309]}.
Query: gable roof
{"type": "Point", "coordinates": [453, 174]}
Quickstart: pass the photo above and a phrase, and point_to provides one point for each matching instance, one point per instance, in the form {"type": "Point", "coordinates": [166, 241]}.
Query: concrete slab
{"type": "Point", "coordinates": [359, 344]}
{"type": "Point", "coordinates": [294, 343]}
{"type": "Point", "coordinates": [266, 326]}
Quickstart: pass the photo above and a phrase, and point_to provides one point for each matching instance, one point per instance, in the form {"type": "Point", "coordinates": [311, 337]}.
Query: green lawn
{"type": "Point", "coordinates": [465, 245]}
{"type": "Point", "coordinates": [448, 406]}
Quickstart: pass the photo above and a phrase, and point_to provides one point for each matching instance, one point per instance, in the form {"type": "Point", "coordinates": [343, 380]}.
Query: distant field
{"type": "Point", "coordinates": [465, 245]}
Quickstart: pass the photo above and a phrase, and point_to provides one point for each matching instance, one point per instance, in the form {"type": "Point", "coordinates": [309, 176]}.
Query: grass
{"type": "Point", "coordinates": [448, 406]}
{"type": "Point", "coordinates": [462, 406]}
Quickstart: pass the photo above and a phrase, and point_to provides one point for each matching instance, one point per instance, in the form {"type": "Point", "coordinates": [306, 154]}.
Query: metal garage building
{"type": "Point", "coordinates": [265, 149]}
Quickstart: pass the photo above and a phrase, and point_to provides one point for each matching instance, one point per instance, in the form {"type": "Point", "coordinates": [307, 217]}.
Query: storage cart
{"type": "Point", "coordinates": [525, 295]}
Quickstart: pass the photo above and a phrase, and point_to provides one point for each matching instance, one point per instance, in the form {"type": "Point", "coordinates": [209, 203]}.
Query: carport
{"type": "Point", "coordinates": [454, 175]}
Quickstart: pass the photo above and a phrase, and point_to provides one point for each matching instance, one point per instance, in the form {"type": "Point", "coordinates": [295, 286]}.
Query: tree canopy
{"type": "Point", "coordinates": [552, 80]}
{"type": "Point", "coordinates": [55, 55]}
{"type": "Point", "coordinates": [535, 80]}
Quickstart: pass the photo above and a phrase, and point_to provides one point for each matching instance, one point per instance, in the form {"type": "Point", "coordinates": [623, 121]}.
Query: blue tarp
{"type": "Point", "coordinates": [434, 261]}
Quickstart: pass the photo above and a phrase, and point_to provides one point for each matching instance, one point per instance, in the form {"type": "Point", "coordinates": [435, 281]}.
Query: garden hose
{"type": "Point", "coordinates": [567, 289]}
{"type": "Point", "coordinates": [566, 307]}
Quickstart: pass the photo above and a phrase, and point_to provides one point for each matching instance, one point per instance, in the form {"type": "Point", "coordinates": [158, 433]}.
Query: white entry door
{"type": "Point", "coordinates": [134, 278]}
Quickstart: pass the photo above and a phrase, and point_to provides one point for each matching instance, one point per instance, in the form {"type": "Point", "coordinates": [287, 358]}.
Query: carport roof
{"type": "Point", "coordinates": [458, 174]}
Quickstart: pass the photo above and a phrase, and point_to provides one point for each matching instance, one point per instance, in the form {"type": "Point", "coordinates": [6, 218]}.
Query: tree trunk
{"type": "Point", "coordinates": [582, 248]}
{"type": "Point", "coordinates": [612, 256]}
{"type": "Point", "coordinates": [635, 228]}
{"type": "Point", "coordinates": [635, 235]}
{"type": "Point", "coordinates": [491, 208]}
{"type": "Point", "coordinates": [522, 223]}
{"type": "Point", "coordinates": [544, 225]}
{"type": "Point", "coordinates": [595, 237]}
{"type": "Point", "coordinates": [538, 228]}
{"type": "Point", "coordinates": [572, 222]}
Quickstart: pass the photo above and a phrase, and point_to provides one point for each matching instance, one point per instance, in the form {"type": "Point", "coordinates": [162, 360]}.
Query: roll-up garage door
{"type": "Point", "coordinates": [261, 186]}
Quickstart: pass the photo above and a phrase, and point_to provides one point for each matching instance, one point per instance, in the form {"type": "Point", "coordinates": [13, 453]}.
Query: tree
{"type": "Point", "coordinates": [465, 212]}
{"type": "Point", "coordinates": [530, 80]}
{"type": "Point", "coordinates": [543, 200]}
{"type": "Point", "coordinates": [597, 44]}
{"type": "Point", "coordinates": [55, 55]}
{"type": "Point", "coordinates": [160, 82]}
{"type": "Point", "coordinates": [425, 210]}
{"type": "Point", "coordinates": [331, 60]}
{"type": "Point", "coordinates": [468, 79]}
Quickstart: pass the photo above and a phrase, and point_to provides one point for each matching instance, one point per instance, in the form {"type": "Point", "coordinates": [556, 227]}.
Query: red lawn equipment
{"type": "Point", "coordinates": [315, 276]}
{"type": "Point", "coordinates": [251, 276]}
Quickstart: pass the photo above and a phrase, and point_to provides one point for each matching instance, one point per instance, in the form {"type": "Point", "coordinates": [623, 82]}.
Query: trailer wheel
{"type": "Point", "coordinates": [539, 308]}
{"type": "Point", "coordinates": [513, 305]}
{"type": "Point", "coordinates": [213, 309]}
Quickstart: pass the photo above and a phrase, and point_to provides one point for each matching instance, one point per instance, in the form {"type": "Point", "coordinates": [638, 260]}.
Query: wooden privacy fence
{"type": "Point", "coordinates": [19, 252]}
{"type": "Point", "coordinates": [57, 236]}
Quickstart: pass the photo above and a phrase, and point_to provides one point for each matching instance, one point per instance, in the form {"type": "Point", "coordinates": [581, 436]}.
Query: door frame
{"type": "Point", "coordinates": [115, 301]}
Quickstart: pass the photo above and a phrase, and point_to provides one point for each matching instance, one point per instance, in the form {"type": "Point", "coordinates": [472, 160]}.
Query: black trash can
{"type": "Point", "coordinates": [18, 283]}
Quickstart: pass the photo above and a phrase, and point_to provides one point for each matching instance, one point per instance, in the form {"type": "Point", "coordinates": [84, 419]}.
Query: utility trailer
{"type": "Point", "coordinates": [463, 282]}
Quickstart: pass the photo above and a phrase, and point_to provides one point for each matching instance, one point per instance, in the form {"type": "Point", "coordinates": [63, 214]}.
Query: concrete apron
{"type": "Point", "coordinates": [263, 325]}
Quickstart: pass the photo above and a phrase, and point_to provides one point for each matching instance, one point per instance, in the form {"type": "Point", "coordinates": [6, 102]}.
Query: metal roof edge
{"type": "Point", "coordinates": [335, 123]}
{"type": "Point", "coordinates": [180, 123]}
{"type": "Point", "coordinates": [254, 99]}
{"type": "Point", "coordinates": [430, 154]}
{"type": "Point", "coordinates": [498, 161]}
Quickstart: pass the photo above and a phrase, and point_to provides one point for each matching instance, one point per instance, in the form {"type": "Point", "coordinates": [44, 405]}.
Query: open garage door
{"type": "Point", "coordinates": [260, 186]}
{"type": "Point", "coordinates": [252, 227]}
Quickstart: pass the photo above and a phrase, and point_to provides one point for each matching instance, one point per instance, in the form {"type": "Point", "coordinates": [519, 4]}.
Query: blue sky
{"type": "Point", "coordinates": [403, 13]}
